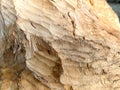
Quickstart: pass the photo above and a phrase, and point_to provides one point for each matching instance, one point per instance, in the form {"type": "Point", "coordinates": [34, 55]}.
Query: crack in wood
{"type": "Point", "coordinates": [73, 23]}
{"type": "Point", "coordinates": [32, 25]}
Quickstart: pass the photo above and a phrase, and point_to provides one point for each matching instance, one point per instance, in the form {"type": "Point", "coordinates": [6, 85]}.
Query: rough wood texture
{"type": "Point", "coordinates": [66, 44]}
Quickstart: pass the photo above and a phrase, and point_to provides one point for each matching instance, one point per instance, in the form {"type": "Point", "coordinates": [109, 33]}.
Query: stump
{"type": "Point", "coordinates": [60, 45]}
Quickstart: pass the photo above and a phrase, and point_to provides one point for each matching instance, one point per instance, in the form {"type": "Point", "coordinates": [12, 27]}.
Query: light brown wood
{"type": "Point", "coordinates": [66, 45]}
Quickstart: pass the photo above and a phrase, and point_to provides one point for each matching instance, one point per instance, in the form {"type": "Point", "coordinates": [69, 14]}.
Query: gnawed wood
{"type": "Point", "coordinates": [66, 44]}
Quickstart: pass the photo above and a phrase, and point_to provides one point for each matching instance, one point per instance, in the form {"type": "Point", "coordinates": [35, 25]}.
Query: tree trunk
{"type": "Point", "coordinates": [59, 45]}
